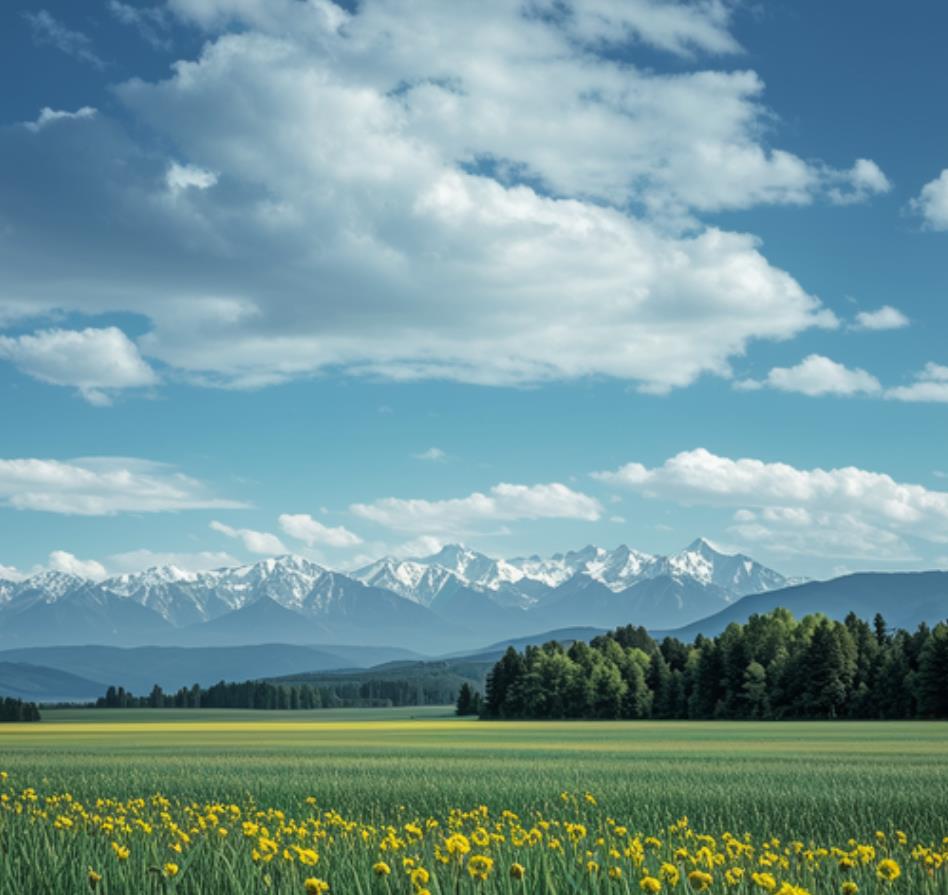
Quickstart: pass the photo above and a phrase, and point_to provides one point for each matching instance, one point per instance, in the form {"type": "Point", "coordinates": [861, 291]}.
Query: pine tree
{"type": "Point", "coordinates": [465, 700]}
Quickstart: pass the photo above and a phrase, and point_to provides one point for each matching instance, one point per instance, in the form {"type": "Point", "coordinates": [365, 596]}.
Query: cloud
{"type": "Point", "coordinates": [305, 528]}
{"type": "Point", "coordinates": [931, 384]}
{"type": "Point", "coordinates": [182, 177]}
{"type": "Point", "coordinates": [415, 191]}
{"type": "Point", "coordinates": [49, 116]}
{"type": "Point", "coordinates": [799, 532]}
{"type": "Point", "coordinates": [502, 503]}
{"type": "Point", "coordinates": [816, 375]}
{"type": "Point", "coordinates": [102, 486]}
{"type": "Point", "coordinates": [48, 30]}
{"type": "Point", "coordinates": [932, 202]}
{"type": "Point", "coordinates": [137, 560]}
{"type": "Point", "coordinates": [11, 573]}
{"type": "Point", "coordinates": [885, 317]}
{"type": "Point", "coordinates": [151, 22]}
{"type": "Point", "coordinates": [254, 541]}
{"type": "Point", "coordinates": [860, 183]}
{"type": "Point", "coordinates": [96, 361]}
{"type": "Point", "coordinates": [433, 454]}
{"type": "Point", "coordinates": [817, 506]}
{"type": "Point", "coordinates": [61, 561]}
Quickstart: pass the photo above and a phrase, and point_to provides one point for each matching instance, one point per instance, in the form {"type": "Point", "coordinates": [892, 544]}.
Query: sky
{"type": "Point", "coordinates": [359, 279]}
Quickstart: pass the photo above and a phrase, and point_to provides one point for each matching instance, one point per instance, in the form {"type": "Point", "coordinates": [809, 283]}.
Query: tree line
{"type": "Point", "coordinates": [771, 667]}
{"type": "Point", "coordinates": [279, 696]}
{"type": "Point", "coordinates": [17, 710]}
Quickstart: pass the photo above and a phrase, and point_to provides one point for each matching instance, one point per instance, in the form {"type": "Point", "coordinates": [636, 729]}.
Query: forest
{"type": "Point", "coordinates": [771, 667]}
{"type": "Point", "coordinates": [279, 696]}
{"type": "Point", "coordinates": [17, 710]}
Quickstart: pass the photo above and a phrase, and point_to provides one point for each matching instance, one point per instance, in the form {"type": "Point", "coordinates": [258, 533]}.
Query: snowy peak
{"type": "Point", "coordinates": [408, 578]}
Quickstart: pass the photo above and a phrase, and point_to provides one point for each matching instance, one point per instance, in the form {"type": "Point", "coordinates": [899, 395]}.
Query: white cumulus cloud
{"type": "Point", "coordinates": [861, 182]}
{"type": "Point", "coordinates": [931, 384]}
{"type": "Point", "coordinates": [263, 542]}
{"type": "Point", "coordinates": [820, 508]}
{"type": "Point", "coordinates": [311, 532]}
{"type": "Point", "coordinates": [816, 375]}
{"type": "Point", "coordinates": [48, 116]}
{"type": "Point", "coordinates": [885, 317]}
{"type": "Point", "coordinates": [98, 362]}
{"type": "Point", "coordinates": [102, 486]}
{"type": "Point", "coordinates": [932, 202]}
{"type": "Point", "coordinates": [427, 190]}
{"type": "Point", "coordinates": [11, 573]}
{"type": "Point", "coordinates": [62, 561]}
{"type": "Point", "coordinates": [181, 177]}
{"type": "Point", "coordinates": [502, 503]}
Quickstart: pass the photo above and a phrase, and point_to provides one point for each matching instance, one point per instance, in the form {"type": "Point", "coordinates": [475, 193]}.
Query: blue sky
{"type": "Point", "coordinates": [348, 280]}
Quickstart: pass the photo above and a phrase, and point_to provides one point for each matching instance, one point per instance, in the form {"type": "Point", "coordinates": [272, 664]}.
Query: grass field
{"type": "Point", "coordinates": [822, 784]}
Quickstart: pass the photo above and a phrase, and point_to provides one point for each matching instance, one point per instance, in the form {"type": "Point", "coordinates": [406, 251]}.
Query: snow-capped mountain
{"type": "Point", "coordinates": [455, 593]}
{"type": "Point", "coordinates": [525, 581]}
{"type": "Point", "coordinates": [416, 581]}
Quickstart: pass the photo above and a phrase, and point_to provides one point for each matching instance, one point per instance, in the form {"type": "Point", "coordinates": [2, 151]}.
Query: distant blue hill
{"type": "Point", "coordinates": [905, 599]}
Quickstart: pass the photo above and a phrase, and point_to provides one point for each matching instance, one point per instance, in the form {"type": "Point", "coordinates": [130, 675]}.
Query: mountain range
{"type": "Point", "coordinates": [454, 599]}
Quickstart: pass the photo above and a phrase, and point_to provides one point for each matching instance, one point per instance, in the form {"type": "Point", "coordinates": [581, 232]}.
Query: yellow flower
{"type": "Point", "coordinates": [480, 866]}
{"type": "Point", "coordinates": [592, 867]}
{"type": "Point", "coordinates": [171, 869]}
{"type": "Point", "coordinates": [419, 876]}
{"type": "Point", "coordinates": [849, 888]}
{"type": "Point", "coordinates": [670, 873]}
{"type": "Point", "coordinates": [457, 844]}
{"type": "Point", "coordinates": [888, 870]}
{"type": "Point", "coordinates": [615, 873]}
{"type": "Point", "coordinates": [650, 884]}
{"type": "Point", "coordinates": [699, 880]}
{"type": "Point", "coordinates": [121, 852]}
{"type": "Point", "coordinates": [94, 878]}
{"type": "Point", "coordinates": [314, 886]}
{"type": "Point", "coordinates": [380, 868]}
{"type": "Point", "coordinates": [765, 881]}
{"type": "Point", "coordinates": [518, 871]}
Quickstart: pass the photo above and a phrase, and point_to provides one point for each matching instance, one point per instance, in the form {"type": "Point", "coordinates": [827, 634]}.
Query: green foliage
{"type": "Point", "coordinates": [772, 667]}
{"type": "Point", "coordinates": [18, 710]}
{"type": "Point", "coordinates": [815, 782]}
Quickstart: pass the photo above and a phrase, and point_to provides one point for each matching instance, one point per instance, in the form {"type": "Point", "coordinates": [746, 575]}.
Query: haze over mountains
{"type": "Point", "coordinates": [454, 599]}
{"type": "Point", "coordinates": [65, 637]}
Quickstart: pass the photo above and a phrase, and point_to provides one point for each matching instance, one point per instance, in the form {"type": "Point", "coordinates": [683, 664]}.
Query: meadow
{"type": "Point", "coordinates": [231, 801]}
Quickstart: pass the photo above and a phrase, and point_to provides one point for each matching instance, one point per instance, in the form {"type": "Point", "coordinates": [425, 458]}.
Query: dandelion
{"type": "Point", "coordinates": [419, 877]}
{"type": "Point", "coordinates": [650, 884]}
{"type": "Point", "coordinates": [849, 888]}
{"type": "Point", "coordinates": [764, 881]}
{"type": "Point", "coordinates": [615, 873]}
{"type": "Point", "coordinates": [380, 868]}
{"type": "Point", "coordinates": [888, 870]}
{"type": "Point", "coordinates": [699, 880]}
{"type": "Point", "coordinates": [93, 877]}
{"type": "Point", "coordinates": [121, 851]}
{"type": "Point", "coordinates": [171, 869]}
{"type": "Point", "coordinates": [518, 871]}
{"type": "Point", "coordinates": [479, 867]}
{"type": "Point", "coordinates": [314, 886]}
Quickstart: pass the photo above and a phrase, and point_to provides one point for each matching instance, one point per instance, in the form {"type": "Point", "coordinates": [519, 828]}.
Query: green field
{"type": "Point", "coordinates": [820, 783]}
